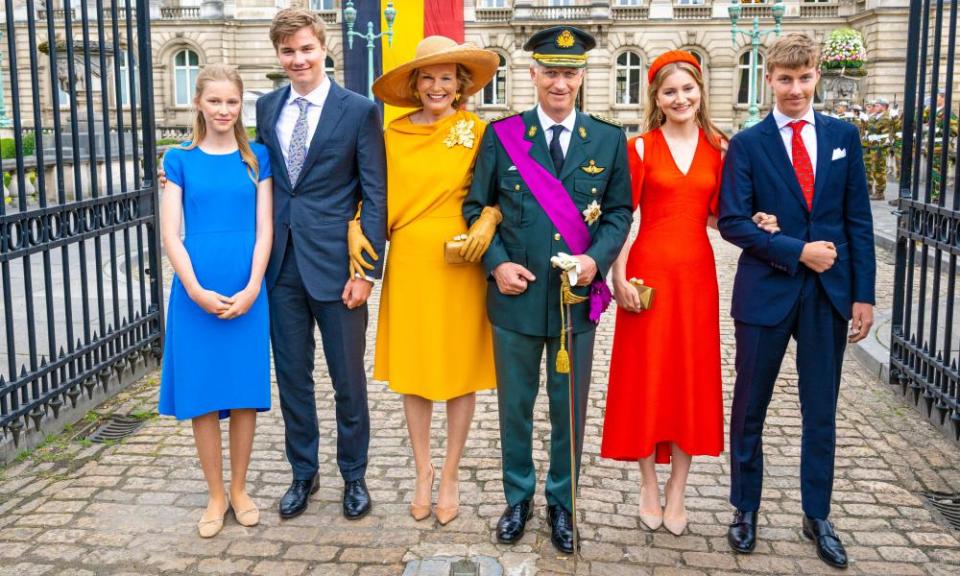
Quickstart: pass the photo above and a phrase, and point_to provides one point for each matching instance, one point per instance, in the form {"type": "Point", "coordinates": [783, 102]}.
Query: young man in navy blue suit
{"type": "Point", "coordinates": [327, 154]}
{"type": "Point", "coordinates": [807, 282]}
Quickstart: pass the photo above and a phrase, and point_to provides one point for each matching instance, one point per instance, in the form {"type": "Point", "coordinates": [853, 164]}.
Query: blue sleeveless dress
{"type": "Point", "coordinates": [209, 364]}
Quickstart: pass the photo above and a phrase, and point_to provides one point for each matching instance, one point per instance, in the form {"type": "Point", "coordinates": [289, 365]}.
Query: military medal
{"type": "Point", "coordinates": [592, 169]}
{"type": "Point", "coordinates": [592, 213]}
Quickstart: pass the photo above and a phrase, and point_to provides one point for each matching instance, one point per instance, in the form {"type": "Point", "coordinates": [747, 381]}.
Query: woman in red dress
{"type": "Point", "coordinates": [664, 400]}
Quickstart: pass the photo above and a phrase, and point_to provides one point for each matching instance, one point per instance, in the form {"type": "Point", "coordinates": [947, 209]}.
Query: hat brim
{"type": "Point", "coordinates": [394, 87]}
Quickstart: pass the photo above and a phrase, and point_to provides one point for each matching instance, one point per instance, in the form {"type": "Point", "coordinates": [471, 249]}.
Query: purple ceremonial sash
{"type": "Point", "coordinates": [555, 201]}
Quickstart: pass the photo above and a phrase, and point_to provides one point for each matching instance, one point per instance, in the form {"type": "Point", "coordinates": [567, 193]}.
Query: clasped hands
{"type": "Point", "coordinates": [225, 307]}
{"type": "Point", "coordinates": [513, 279]}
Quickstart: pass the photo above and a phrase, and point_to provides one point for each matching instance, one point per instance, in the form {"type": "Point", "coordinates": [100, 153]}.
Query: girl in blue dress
{"type": "Point", "coordinates": [216, 360]}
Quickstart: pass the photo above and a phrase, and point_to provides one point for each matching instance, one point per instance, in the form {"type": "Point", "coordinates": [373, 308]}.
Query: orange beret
{"type": "Point", "coordinates": [669, 58]}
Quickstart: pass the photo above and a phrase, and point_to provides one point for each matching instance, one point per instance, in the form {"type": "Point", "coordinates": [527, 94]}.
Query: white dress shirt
{"type": "Point", "coordinates": [290, 113]}
{"type": "Point", "coordinates": [809, 134]}
{"type": "Point", "coordinates": [547, 122]}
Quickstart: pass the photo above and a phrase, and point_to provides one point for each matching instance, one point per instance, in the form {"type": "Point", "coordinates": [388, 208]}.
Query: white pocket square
{"type": "Point", "coordinates": [512, 169]}
{"type": "Point", "coordinates": [839, 153]}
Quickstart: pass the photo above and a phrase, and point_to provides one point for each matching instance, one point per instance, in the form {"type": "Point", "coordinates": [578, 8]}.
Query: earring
{"type": "Point", "coordinates": [416, 96]}
{"type": "Point", "coordinates": [456, 100]}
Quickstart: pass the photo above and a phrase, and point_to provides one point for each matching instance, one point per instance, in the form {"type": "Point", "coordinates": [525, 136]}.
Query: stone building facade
{"type": "Point", "coordinates": [186, 34]}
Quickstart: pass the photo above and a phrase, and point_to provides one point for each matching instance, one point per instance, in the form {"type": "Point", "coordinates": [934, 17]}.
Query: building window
{"type": "Point", "coordinates": [330, 67]}
{"type": "Point", "coordinates": [691, 2]}
{"type": "Point", "coordinates": [323, 5]}
{"type": "Point", "coordinates": [495, 92]}
{"type": "Point", "coordinates": [186, 68]}
{"type": "Point", "coordinates": [629, 2]}
{"type": "Point", "coordinates": [560, 3]}
{"type": "Point", "coordinates": [743, 72]}
{"type": "Point", "coordinates": [696, 55]}
{"type": "Point", "coordinates": [493, 4]}
{"type": "Point", "coordinates": [125, 78]}
{"type": "Point", "coordinates": [629, 72]}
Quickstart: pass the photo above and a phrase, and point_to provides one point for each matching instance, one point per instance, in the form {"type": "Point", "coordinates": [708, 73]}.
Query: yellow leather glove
{"type": "Point", "coordinates": [481, 233]}
{"type": "Point", "coordinates": [357, 244]}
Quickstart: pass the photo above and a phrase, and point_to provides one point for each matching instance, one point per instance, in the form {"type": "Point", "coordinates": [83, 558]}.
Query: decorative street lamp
{"type": "Point", "coordinates": [350, 16]}
{"type": "Point", "coordinates": [4, 121]}
{"type": "Point", "coordinates": [755, 35]}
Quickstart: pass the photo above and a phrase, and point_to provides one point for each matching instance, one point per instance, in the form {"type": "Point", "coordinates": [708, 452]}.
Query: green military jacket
{"type": "Point", "coordinates": [595, 168]}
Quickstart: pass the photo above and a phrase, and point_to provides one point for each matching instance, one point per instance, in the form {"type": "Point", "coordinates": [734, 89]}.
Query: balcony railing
{"type": "Point", "coordinates": [819, 9]}
{"type": "Point", "coordinates": [756, 11]}
{"type": "Point", "coordinates": [180, 13]}
{"type": "Point", "coordinates": [494, 14]}
{"type": "Point", "coordinates": [692, 12]}
{"type": "Point", "coordinates": [329, 16]}
{"type": "Point", "coordinates": [560, 12]}
{"type": "Point", "coordinates": [59, 15]}
{"type": "Point", "coordinates": [629, 12]}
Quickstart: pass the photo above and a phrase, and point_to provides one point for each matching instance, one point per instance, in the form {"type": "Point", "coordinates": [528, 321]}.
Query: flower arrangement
{"type": "Point", "coordinates": [843, 49]}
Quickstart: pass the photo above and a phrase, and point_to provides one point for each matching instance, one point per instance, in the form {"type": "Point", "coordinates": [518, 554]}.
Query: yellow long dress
{"type": "Point", "coordinates": [433, 338]}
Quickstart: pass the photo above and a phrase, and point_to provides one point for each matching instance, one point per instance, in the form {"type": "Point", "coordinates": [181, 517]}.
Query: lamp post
{"type": "Point", "coordinates": [350, 17]}
{"type": "Point", "coordinates": [755, 35]}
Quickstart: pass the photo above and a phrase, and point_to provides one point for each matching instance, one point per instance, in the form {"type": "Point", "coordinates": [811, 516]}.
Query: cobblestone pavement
{"type": "Point", "coordinates": [130, 508]}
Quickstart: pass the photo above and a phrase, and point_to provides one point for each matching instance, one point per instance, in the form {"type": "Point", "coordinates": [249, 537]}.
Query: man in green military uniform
{"type": "Point", "coordinates": [938, 138]}
{"type": "Point", "coordinates": [876, 146]}
{"type": "Point", "coordinates": [561, 180]}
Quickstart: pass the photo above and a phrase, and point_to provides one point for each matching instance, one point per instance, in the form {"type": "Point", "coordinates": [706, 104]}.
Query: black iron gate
{"type": "Point", "coordinates": [79, 249]}
{"type": "Point", "coordinates": [924, 343]}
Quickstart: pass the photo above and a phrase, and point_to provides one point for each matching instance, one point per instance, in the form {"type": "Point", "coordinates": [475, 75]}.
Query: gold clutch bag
{"type": "Point", "coordinates": [451, 250]}
{"type": "Point", "coordinates": [645, 292]}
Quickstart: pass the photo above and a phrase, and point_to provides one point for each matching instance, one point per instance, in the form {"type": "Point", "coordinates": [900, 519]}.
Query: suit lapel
{"type": "Point", "coordinates": [535, 135]}
{"type": "Point", "coordinates": [824, 158]}
{"type": "Point", "coordinates": [329, 119]}
{"type": "Point", "coordinates": [576, 151]}
{"type": "Point", "coordinates": [775, 151]}
{"type": "Point", "coordinates": [273, 110]}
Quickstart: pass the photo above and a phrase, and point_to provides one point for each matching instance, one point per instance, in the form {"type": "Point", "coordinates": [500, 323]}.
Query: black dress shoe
{"type": "Point", "coordinates": [561, 528]}
{"type": "Point", "coordinates": [829, 547]}
{"type": "Point", "coordinates": [356, 499]}
{"type": "Point", "coordinates": [294, 502]}
{"type": "Point", "coordinates": [742, 534]}
{"type": "Point", "coordinates": [513, 522]}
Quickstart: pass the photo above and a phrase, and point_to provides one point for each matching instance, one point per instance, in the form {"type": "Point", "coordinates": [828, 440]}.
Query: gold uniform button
{"type": "Point", "coordinates": [556, 236]}
{"type": "Point", "coordinates": [517, 187]}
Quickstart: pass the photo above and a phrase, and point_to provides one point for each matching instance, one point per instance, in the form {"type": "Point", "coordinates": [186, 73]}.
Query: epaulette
{"type": "Point", "coordinates": [606, 120]}
{"type": "Point", "coordinates": [503, 116]}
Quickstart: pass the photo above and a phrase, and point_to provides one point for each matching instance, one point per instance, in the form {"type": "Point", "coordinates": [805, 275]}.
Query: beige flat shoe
{"type": "Point", "coordinates": [650, 521]}
{"type": "Point", "coordinates": [422, 511]}
{"type": "Point", "coordinates": [675, 525]}
{"type": "Point", "coordinates": [249, 517]}
{"type": "Point", "coordinates": [210, 528]}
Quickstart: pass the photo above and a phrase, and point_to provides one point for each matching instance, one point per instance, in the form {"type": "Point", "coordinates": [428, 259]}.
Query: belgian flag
{"type": "Point", "coordinates": [416, 19]}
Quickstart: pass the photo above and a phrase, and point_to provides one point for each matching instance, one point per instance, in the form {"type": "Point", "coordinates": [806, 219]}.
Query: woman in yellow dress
{"type": "Point", "coordinates": [434, 341]}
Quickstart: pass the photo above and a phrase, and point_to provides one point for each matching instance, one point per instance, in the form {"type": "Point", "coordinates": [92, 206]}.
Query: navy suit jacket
{"type": "Point", "coordinates": [345, 164]}
{"type": "Point", "coordinates": [758, 176]}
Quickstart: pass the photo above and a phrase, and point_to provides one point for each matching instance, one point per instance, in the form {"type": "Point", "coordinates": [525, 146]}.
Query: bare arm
{"type": "Point", "coordinates": [244, 299]}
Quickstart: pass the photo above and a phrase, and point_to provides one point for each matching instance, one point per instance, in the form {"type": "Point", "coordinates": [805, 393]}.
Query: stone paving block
{"type": "Point", "coordinates": [279, 568]}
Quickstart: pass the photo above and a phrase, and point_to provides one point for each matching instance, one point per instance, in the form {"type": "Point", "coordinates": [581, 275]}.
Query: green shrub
{"type": "Point", "coordinates": [8, 146]}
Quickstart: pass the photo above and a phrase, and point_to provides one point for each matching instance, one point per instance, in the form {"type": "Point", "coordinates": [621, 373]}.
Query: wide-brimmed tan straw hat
{"type": "Point", "coordinates": [394, 86]}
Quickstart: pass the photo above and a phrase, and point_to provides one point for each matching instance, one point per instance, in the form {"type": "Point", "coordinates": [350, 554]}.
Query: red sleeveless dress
{"type": "Point", "coordinates": [665, 381]}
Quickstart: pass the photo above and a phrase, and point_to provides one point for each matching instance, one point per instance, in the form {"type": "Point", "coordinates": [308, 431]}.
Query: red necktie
{"type": "Point", "coordinates": [801, 162]}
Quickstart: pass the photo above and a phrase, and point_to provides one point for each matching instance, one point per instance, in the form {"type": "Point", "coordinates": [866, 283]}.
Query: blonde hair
{"type": "Point", "coordinates": [215, 73]}
{"type": "Point", "coordinates": [289, 21]}
{"type": "Point", "coordinates": [655, 117]}
{"type": "Point", "coordinates": [793, 51]}
{"type": "Point", "coordinates": [464, 83]}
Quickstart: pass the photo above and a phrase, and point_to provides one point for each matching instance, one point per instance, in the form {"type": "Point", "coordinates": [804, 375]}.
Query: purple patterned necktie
{"type": "Point", "coordinates": [297, 151]}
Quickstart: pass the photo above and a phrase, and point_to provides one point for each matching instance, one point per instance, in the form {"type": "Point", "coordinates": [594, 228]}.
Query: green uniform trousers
{"type": "Point", "coordinates": [517, 357]}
